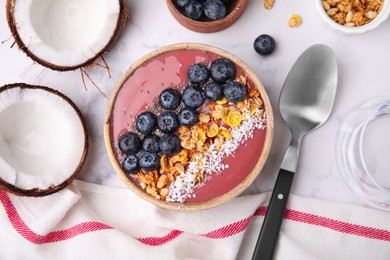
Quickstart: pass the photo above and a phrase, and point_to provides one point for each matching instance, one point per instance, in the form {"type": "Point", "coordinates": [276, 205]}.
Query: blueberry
{"type": "Point", "coordinates": [193, 10]}
{"type": "Point", "coordinates": [181, 3]}
{"type": "Point", "coordinates": [198, 74]}
{"type": "Point", "coordinates": [145, 122]}
{"type": "Point", "coordinates": [193, 97]}
{"type": "Point", "coordinates": [234, 91]}
{"type": "Point", "coordinates": [170, 144]}
{"type": "Point", "coordinates": [169, 99]}
{"type": "Point", "coordinates": [213, 91]}
{"type": "Point", "coordinates": [222, 70]}
{"type": "Point", "coordinates": [149, 161]}
{"type": "Point", "coordinates": [168, 122]}
{"type": "Point", "coordinates": [129, 143]}
{"type": "Point", "coordinates": [130, 164]}
{"type": "Point", "coordinates": [264, 44]}
{"type": "Point", "coordinates": [151, 143]}
{"type": "Point", "coordinates": [214, 9]}
{"type": "Point", "coordinates": [188, 117]}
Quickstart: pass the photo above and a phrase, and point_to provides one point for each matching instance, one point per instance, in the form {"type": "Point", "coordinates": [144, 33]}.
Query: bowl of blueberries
{"type": "Point", "coordinates": [206, 16]}
{"type": "Point", "coordinates": [181, 121]}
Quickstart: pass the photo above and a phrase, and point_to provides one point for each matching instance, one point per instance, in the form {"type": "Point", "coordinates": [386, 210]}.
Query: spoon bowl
{"type": "Point", "coordinates": [299, 106]}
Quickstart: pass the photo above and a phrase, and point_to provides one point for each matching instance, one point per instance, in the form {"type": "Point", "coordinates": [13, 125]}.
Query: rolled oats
{"type": "Point", "coordinates": [204, 118]}
{"type": "Point", "coordinates": [164, 192]}
{"type": "Point", "coordinates": [349, 17]}
{"type": "Point", "coordinates": [326, 5]}
{"type": "Point", "coordinates": [371, 14]}
{"type": "Point", "coordinates": [151, 191]}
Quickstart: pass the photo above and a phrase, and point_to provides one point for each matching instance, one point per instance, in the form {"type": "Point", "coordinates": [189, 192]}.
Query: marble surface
{"type": "Point", "coordinates": [363, 68]}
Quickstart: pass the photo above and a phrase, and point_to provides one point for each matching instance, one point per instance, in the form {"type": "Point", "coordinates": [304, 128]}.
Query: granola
{"type": "Point", "coordinates": [268, 4]}
{"type": "Point", "coordinates": [294, 21]}
{"type": "Point", "coordinates": [214, 131]}
{"type": "Point", "coordinates": [353, 13]}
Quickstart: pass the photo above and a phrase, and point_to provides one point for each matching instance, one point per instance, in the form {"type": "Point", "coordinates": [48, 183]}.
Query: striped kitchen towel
{"type": "Point", "coordinates": [89, 221]}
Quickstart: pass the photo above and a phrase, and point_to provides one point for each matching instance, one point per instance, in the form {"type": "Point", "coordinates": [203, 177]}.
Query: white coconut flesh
{"type": "Point", "coordinates": [41, 138]}
{"type": "Point", "coordinates": [66, 32]}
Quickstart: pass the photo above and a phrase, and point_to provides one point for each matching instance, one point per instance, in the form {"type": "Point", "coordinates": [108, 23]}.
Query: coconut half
{"type": "Point", "coordinates": [64, 34]}
{"type": "Point", "coordinates": [43, 140]}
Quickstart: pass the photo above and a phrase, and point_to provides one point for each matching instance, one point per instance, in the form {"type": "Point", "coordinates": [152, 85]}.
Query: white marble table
{"type": "Point", "coordinates": [363, 66]}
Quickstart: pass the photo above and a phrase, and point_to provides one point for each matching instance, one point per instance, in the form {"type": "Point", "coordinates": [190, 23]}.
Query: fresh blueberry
{"type": "Point", "coordinates": [130, 164]}
{"type": "Point", "coordinates": [193, 10]}
{"type": "Point", "coordinates": [222, 70]}
{"type": "Point", "coordinates": [264, 44]}
{"type": "Point", "coordinates": [193, 97]}
{"type": "Point", "coordinates": [168, 122]}
{"type": "Point", "coordinates": [129, 143]}
{"type": "Point", "coordinates": [145, 122]}
{"type": "Point", "coordinates": [181, 3]}
{"type": "Point", "coordinates": [149, 161]}
{"type": "Point", "coordinates": [170, 144]}
{"type": "Point", "coordinates": [213, 91]}
{"type": "Point", "coordinates": [198, 74]}
{"type": "Point", "coordinates": [234, 91]}
{"type": "Point", "coordinates": [188, 117]}
{"type": "Point", "coordinates": [151, 143]}
{"type": "Point", "coordinates": [169, 99]}
{"type": "Point", "coordinates": [226, 2]}
{"type": "Point", "coordinates": [214, 9]}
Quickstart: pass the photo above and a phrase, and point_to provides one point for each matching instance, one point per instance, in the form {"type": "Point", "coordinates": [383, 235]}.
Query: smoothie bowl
{"type": "Point", "coordinates": [188, 127]}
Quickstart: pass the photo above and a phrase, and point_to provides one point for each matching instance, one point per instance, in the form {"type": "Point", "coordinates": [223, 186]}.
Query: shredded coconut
{"type": "Point", "coordinates": [210, 162]}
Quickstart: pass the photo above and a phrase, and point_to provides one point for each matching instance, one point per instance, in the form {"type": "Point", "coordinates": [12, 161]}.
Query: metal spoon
{"type": "Point", "coordinates": [305, 103]}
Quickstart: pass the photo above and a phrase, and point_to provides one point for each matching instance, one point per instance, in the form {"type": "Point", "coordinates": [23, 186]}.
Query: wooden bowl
{"type": "Point", "coordinates": [138, 89]}
{"type": "Point", "coordinates": [234, 12]}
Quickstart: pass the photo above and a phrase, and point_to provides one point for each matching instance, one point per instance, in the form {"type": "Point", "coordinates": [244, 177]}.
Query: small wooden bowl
{"type": "Point", "coordinates": [235, 10]}
{"type": "Point", "coordinates": [140, 86]}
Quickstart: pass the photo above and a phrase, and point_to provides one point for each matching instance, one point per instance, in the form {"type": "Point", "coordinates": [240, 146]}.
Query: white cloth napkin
{"type": "Point", "coordinates": [89, 221]}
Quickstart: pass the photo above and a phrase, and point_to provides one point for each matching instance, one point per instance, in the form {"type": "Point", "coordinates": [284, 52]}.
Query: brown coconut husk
{"type": "Point", "coordinates": [36, 192]}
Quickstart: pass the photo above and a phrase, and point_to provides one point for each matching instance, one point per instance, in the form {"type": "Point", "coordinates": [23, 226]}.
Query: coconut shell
{"type": "Point", "coordinates": [36, 192]}
{"type": "Point", "coordinates": [10, 8]}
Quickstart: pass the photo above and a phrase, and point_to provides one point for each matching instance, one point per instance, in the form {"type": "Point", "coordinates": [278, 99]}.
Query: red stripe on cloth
{"type": "Point", "coordinates": [158, 241]}
{"type": "Point", "coordinates": [337, 225]}
{"type": "Point", "coordinates": [229, 230]}
{"type": "Point", "coordinates": [224, 232]}
{"type": "Point", "coordinates": [51, 237]}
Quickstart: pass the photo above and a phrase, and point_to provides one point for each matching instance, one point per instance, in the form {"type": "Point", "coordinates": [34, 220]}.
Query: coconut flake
{"type": "Point", "coordinates": [210, 162]}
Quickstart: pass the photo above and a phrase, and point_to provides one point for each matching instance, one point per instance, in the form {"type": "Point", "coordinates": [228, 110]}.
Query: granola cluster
{"type": "Point", "coordinates": [268, 4]}
{"type": "Point", "coordinates": [352, 13]}
{"type": "Point", "coordinates": [294, 21]}
{"type": "Point", "coordinates": [216, 122]}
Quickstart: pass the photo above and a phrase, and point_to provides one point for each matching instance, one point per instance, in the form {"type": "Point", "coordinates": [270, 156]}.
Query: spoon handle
{"type": "Point", "coordinates": [269, 233]}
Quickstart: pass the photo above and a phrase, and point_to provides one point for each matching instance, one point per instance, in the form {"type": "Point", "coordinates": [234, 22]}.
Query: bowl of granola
{"type": "Point", "coordinates": [188, 127]}
{"type": "Point", "coordinates": [353, 16]}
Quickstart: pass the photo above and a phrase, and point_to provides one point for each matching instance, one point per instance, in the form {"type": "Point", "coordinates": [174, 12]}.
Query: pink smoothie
{"type": "Point", "coordinates": [166, 70]}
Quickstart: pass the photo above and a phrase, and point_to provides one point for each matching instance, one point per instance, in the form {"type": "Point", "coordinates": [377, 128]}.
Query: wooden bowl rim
{"type": "Point", "coordinates": [215, 201]}
{"type": "Point", "coordinates": [208, 26]}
